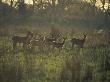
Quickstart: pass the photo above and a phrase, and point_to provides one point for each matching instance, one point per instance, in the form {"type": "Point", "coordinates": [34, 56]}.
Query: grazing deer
{"type": "Point", "coordinates": [79, 42]}
{"type": "Point", "coordinates": [22, 40]}
{"type": "Point", "coordinates": [41, 41]}
{"type": "Point", "coordinates": [59, 45]}
{"type": "Point", "coordinates": [49, 41]}
{"type": "Point", "coordinates": [37, 42]}
{"type": "Point", "coordinates": [37, 36]}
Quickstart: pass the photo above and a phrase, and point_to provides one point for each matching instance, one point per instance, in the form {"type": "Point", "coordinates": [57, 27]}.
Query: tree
{"type": "Point", "coordinates": [21, 7]}
{"type": "Point", "coordinates": [93, 3]}
{"type": "Point", "coordinates": [0, 1]}
{"type": "Point", "coordinates": [11, 3]}
{"type": "Point", "coordinates": [103, 4]}
{"type": "Point", "coordinates": [64, 3]}
{"type": "Point", "coordinates": [53, 3]}
{"type": "Point", "coordinates": [33, 4]}
{"type": "Point", "coordinates": [107, 13]}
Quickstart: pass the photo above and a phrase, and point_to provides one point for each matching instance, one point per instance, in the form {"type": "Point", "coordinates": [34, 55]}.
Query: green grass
{"type": "Point", "coordinates": [69, 65]}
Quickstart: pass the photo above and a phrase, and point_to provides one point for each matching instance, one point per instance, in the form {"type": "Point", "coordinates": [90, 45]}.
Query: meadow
{"type": "Point", "coordinates": [70, 65]}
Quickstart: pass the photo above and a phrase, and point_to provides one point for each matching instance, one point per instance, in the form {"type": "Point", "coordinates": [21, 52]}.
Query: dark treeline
{"type": "Point", "coordinates": [62, 11]}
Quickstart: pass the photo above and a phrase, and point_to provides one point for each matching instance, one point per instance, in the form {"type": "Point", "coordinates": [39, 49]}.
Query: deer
{"type": "Point", "coordinates": [79, 42]}
{"type": "Point", "coordinates": [49, 41]}
{"type": "Point", "coordinates": [37, 36]}
{"type": "Point", "coordinates": [58, 44]}
{"type": "Point", "coordinates": [22, 40]}
{"type": "Point", "coordinates": [54, 35]}
{"type": "Point", "coordinates": [41, 41]}
{"type": "Point", "coordinates": [37, 41]}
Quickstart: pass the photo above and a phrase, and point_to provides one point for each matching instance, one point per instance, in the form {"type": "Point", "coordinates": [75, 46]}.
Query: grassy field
{"type": "Point", "coordinates": [92, 64]}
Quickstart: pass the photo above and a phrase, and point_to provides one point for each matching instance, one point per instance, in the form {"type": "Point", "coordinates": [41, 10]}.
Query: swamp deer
{"type": "Point", "coordinates": [79, 42]}
{"type": "Point", "coordinates": [59, 45]}
{"type": "Point", "coordinates": [22, 40]}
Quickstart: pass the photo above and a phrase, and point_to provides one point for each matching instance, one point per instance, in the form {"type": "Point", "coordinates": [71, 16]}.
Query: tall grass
{"type": "Point", "coordinates": [90, 65]}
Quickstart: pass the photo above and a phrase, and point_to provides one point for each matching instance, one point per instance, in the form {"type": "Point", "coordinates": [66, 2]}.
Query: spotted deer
{"type": "Point", "coordinates": [37, 41]}
{"type": "Point", "coordinates": [49, 41]}
{"type": "Point", "coordinates": [41, 41]}
{"type": "Point", "coordinates": [58, 44]}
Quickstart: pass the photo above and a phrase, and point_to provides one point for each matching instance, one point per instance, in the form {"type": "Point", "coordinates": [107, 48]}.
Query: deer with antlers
{"type": "Point", "coordinates": [22, 40]}
{"type": "Point", "coordinates": [79, 42]}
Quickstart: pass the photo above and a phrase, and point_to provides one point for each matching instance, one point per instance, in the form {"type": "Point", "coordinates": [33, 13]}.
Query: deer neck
{"type": "Point", "coordinates": [84, 38]}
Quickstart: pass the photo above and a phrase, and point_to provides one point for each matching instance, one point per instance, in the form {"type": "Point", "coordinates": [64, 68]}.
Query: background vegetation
{"type": "Point", "coordinates": [71, 18]}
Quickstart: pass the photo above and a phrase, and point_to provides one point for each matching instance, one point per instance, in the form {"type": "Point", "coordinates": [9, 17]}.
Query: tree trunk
{"type": "Point", "coordinates": [0, 1]}
{"type": "Point", "coordinates": [33, 4]}
{"type": "Point", "coordinates": [53, 3]}
{"type": "Point", "coordinates": [103, 4]}
{"type": "Point", "coordinates": [11, 3]}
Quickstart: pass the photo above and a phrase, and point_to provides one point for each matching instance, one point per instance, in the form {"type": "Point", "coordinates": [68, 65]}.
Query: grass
{"type": "Point", "coordinates": [90, 65]}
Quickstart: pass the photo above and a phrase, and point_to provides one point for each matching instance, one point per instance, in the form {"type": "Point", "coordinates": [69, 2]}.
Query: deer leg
{"type": "Point", "coordinates": [81, 46]}
{"type": "Point", "coordinates": [14, 45]}
{"type": "Point", "coordinates": [40, 48]}
{"type": "Point", "coordinates": [49, 48]}
{"type": "Point", "coordinates": [24, 45]}
{"type": "Point", "coordinates": [60, 49]}
{"type": "Point", "coordinates": [72, 45]}
{"type": "Point", "coordinates": [81, 49]}
{"type": "Point", "coordinates": [52, 48]}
